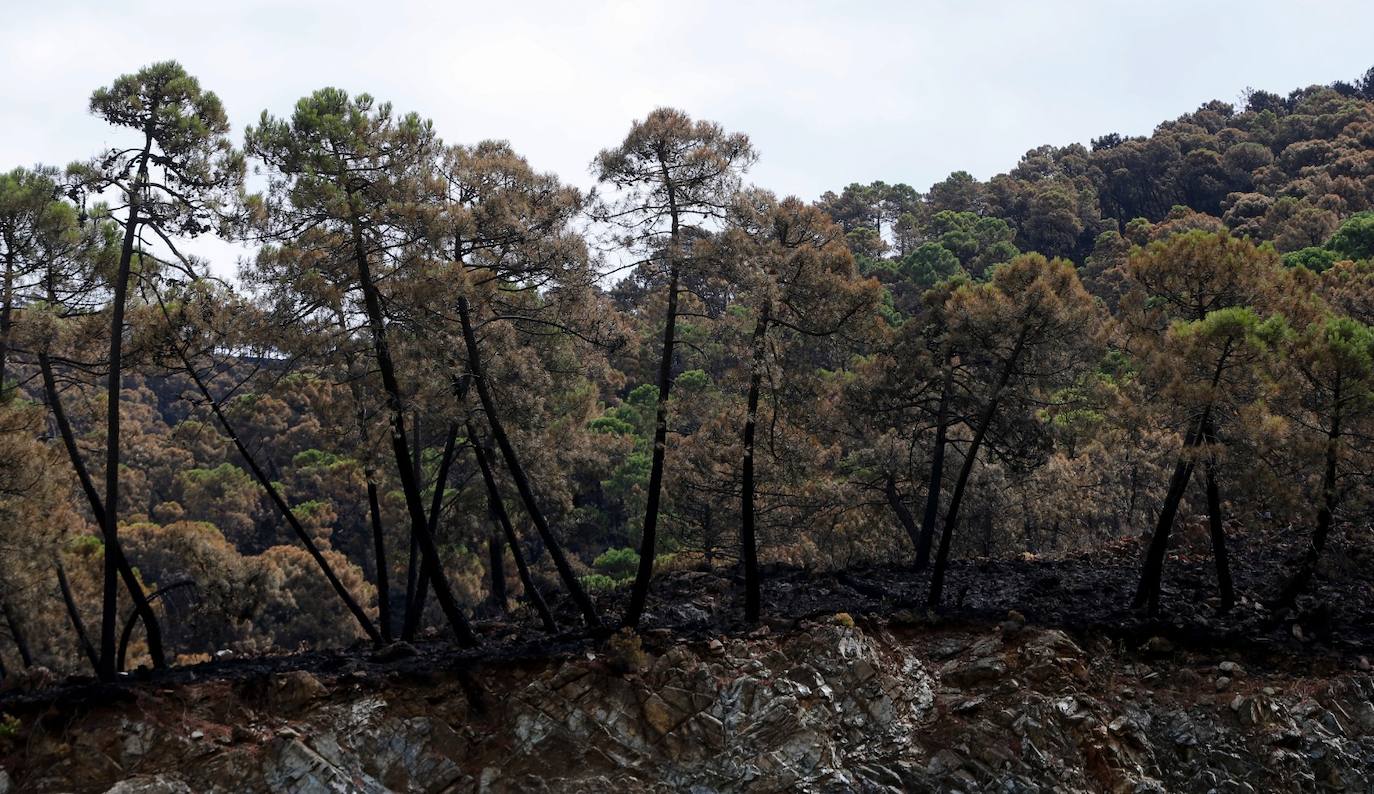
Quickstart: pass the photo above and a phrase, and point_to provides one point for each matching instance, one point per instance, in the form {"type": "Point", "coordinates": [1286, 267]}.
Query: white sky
{"type": "Point", "coordinates": [831, 93]}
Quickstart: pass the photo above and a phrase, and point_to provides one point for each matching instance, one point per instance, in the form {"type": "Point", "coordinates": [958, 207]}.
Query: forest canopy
{"type": "Point", "coordinates": [449, 388]}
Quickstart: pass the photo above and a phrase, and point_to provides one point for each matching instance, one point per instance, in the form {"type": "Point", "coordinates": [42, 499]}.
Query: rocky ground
{"type": "Point", "coordinates": [1037, 679]}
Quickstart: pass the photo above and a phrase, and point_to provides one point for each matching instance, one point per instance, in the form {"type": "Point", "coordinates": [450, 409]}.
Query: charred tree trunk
{"type": "Point", "coordinates": [1151, 575]}
{"type": "Point", "coordinates": [937, 576]}
{"type": "Point", "coordinates": [639, 593]}
{"type": "Point", "coordinates": [497, 506]}
{"type": "Point", "coordinates": [400, 448]}
{"type": "Point", "coordinates": [1326, 510]}
{"type": "Point", "coordinates": [899, 508]}
{"type": "Point", "coordinates": [415, 579]}
{"type": "Point", "coordinates": [749, 553]}
{"type": "Point", "coordinates": [17, 634]}
{"type": "Point", "coordinates": [937, 471]}
{"type": "Point", "coordinates": [114, 383]}
{"type": "Point", "coordinates": [6, 316]}
{"type": "Point", "coordinates": [74, 615]}
{"type": "Point", "coordinates": [283, 509]}
{"type": "Point", "coordinates": [1217, 529]}
{"type": "Point", "coordinates": [517, 472]}
{"type": "Point", "coordinates": [415, 608]}
{"type": "Point", "coordinates": [97, 506]}
{"type": "Point", "coordinates": [374, 510]}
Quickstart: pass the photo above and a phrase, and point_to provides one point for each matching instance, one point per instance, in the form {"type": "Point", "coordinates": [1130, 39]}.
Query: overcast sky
{"type": "Point", "coordinates": [831, 93]}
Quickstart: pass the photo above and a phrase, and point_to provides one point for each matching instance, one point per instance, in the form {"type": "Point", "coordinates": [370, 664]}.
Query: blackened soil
{"type": "Point", "coordinates": [1085, 594]}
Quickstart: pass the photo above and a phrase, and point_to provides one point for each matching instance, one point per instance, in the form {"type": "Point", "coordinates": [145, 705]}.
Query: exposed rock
{"type": "Point", "coordinates": [827, 707]}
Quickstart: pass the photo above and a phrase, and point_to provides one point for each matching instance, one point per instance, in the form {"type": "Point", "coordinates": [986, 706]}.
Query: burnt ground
{"type": "Point", "coordinates": [1085, 594]}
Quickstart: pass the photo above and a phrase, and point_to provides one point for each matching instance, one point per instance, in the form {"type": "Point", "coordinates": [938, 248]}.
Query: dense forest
{"type": "Point", "coordinates": [449, 388]}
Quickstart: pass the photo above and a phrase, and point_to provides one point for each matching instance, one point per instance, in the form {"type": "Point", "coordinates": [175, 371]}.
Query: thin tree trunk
{"type": "Point", "coordinates": [497, 506]}
{"type": "Point", "coordinates": [415, 609]}
{"type": "Point", "coordinates": [1326, 510]}
{"type": "Point", "coordinates": [937, 576]}
{"type": "Point", "coordinates": [749, 553]}
{"type": "Point", "coordinates": [128, 632]}
{"type": "Point", "coordinates": [17, 634]}
{"type": "Point", "coordinates": [517, 472]}
{"type": "Point", "coordinates": [937, 470]}
{"type": "Point", "coordinates": [374, 510]}
{"type": "Point", "coordinates": [6, 317]}
{"type": "Point", "coordinates": [496, 568]}
{"type": "Point", "coordinates": [899, 508]}
{"type": "Point", "coordinates": [97, 506]}
{"type": "Point", "coordinates": [1218, 531]}
{"type": "Point", "coordinates": [114, 383]}
{"type": "Point", "coordinates": [1152, 573]}
{"type": "Point", "coordinates": [415, 580]}
{"type": "Point", "coordinates": [74, 615]}
{"type": "Point", "coordinates": [639, 594]}
{"type": "Point", "coordinates": [400, 448]}
{"type": "Point", "coordinates": [282, 507]}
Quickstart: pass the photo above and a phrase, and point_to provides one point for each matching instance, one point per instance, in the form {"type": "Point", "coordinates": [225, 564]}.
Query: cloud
{"type": "Point", "coordinates": [831, 93]}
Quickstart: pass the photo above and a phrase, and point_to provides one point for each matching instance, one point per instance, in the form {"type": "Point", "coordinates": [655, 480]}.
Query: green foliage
{"type": "Point", "coordinates": [600, 583]}
{"type": "Point", "coordinates": [929, 264]}
{"type": "Point", "coordinates": [1355, 238]}
{"type": "Point", "coordinates": [9, 726]}
{"type": "Point", "coordinates": [314, 457]}
{"type": "Point", "coordinates": [619, 564]}
{"type": "Point", "coordinates": [1312, 257]}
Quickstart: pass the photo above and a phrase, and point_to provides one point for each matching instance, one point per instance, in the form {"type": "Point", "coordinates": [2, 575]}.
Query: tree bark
{"type": "Point", "coordinates": [374, 509]}
{"type": "Point", "coordinates": [1218, 532]}
{"type": "Point", "coordinates": [937, 470]}
{"type": "Point", "coordinates": [1326, 510]}
{"type": "Point", "coordinates": [749, 553]}
{"type": "Point", "coordinates": [517, 472]}
{"type": "Point", "coordinates": [114, 383]}
{"type": "Point", "coordinates": [6, 317]}
{"type": "Point", "coordinates": [279, 502]}
{"type": "Point", "coordinates": [400, 448]}
{"type": "Point", "coordinates": [415, 608]}
{"type": "Point", "coordinates": [648, 541]}
{"type": "Point", "coordinates": [126, 572]}
{"type": "Point", "coordinates": [17, 634]}
{"type": "Point", "coordinates": [937, 576]}
{"type": "Point", "coordinates": [497, 507]}
{"type": "Point", "coordinates": [899, 508]}
{"type": "Point", "coordinates": [74, 615]}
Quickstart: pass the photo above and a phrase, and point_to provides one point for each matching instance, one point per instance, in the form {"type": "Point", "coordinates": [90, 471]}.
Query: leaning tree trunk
{"type": "Point", "coordinates": [400, 448]}
{"type": "Point", "coordinates": [899, 508]}
{"type": "Point", "coordinates": [279, 502]}
{"type": "Point", "coordinates": [126, 571]}
{"type": "Point", "coordinates": [1152, 572]}
{"type": "Point", "coordinates": [517, 472]}
{"type": "Point", "coordinates": [74, 615]}
{"type": "Point", "coordinates": [17, 634]}
{"type": "Point", "coordinates": [937, 470]}
{"type": "Point", "coordinates": [415, 605]}
{"type": "Point", "coordinates": [937, 576]}
{"type": "Point", "coordinates": [497, 506]}
{"type": "Point", "coordinates": [749, 552]}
